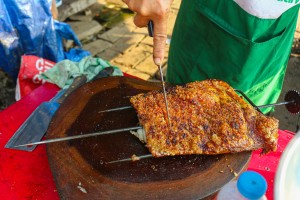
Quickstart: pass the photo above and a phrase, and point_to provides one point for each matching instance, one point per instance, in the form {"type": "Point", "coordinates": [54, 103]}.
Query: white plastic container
{"type": "Point", "coordinates": [287, 181]}
{"type": "Point", "coordinates": [249, 185]}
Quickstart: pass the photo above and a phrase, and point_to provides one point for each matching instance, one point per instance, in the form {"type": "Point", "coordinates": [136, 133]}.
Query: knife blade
{"type": "Point", "coordinates": [165, 96]}
{"type": "Point", "coordinates": [36, 125]}
{"type": "Point", "coordinates": [151, 34]}
{"type": "Point", "coordinates": [33, 129]}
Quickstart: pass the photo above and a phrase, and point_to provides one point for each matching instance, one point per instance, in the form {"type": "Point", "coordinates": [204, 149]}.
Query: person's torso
{"type": "Point", "coordinates": [243, 42]}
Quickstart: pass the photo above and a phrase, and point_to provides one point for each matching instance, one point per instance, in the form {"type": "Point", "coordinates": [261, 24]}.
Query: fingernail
{"type": "Point", "coordinates": [157, 61]}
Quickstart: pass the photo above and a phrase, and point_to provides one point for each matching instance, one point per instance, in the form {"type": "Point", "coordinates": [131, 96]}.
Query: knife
{"type": "Point", "coordinates": [151, 34]}
{"type": "Point", "coordinates": [33, 129]}
{"type": "Point", "coordinates": [36, 125]}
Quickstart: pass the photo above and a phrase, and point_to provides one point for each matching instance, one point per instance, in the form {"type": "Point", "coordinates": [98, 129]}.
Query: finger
{"type": "Point", "coordinates": [134, 6]}
{"type": "Point", "coordinates": [140, 21]}
{"type": "Point", "coordinates": [159, 40]}
{"type": "Point", "coordinates": [130, 4]}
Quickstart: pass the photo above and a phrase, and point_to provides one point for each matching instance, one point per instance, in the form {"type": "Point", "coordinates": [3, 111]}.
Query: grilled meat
{"type": "Point", "coordinates": [207, 117]}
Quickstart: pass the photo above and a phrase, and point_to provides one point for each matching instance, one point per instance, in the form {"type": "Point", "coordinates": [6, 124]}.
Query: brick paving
{"type": "Point", "coordinates": [125, 45]}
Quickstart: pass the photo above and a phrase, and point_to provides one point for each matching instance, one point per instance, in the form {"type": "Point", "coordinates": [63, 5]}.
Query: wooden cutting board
{"type": "Point", "coordinates": [80, 166]}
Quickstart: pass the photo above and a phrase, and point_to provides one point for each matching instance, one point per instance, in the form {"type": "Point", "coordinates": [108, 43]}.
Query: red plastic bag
{"type": "Point", "coordinates": [29, 74]}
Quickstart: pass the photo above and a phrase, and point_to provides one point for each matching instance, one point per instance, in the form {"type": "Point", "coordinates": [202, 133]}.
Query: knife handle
{"type": "Point", "coordinates": [150, 28]}
{"type": "Point", "coordinates": [78, 81]}
{"type": "Point", "coordinates": [106, 72]}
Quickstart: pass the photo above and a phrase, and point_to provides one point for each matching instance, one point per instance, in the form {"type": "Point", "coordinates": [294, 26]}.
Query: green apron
{"type": "Point", "coordinates": [218, 39]}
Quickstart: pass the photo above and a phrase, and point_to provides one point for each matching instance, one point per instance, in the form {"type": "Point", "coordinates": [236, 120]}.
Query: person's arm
{"type": "Point", "coordinates": [54, 10]}
{"type": "Point", "coordinates": [157, 11]}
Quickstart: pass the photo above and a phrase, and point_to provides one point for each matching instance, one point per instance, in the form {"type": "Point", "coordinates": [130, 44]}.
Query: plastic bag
{"type": "Point", "coordinates": [29, 75]}
{"type": "Point", "coordinates": [10, 48]}
{"type": "Point", "coordinates": [27, 28]}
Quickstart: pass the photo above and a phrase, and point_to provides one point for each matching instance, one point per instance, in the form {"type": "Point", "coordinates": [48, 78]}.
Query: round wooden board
{"type": "Point", "coordinates": [80, 166]}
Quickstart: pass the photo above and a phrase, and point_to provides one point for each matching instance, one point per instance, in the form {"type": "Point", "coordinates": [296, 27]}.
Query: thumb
{"type": "Point", "coordinates": [159, 40]}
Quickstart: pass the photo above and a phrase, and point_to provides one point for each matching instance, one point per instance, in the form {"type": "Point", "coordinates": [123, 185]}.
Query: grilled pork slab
{"type": "Point", "coordinates": [206, 117]}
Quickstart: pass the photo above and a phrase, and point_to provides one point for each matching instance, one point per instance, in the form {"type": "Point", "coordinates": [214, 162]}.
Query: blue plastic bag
{"type": "Point", "coordinates": [10, 50]}
{"type": "Point", "coordinates": [27, 28]}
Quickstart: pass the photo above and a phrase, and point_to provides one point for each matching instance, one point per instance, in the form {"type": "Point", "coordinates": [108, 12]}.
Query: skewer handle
{"type": "Point", "coordinates": [150, 28]}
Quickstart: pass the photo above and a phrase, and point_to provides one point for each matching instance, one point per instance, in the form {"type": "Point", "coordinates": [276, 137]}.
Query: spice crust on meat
{"type": "Point", "coordinates": [207, 117]}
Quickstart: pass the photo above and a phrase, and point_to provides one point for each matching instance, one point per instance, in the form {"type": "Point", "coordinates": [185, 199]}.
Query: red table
{"type": "Point", "coordinates": [27, 175]}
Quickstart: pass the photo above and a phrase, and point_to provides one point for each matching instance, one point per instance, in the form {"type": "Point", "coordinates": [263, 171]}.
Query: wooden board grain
{"type": "Point", "coordinates": [80, 166]}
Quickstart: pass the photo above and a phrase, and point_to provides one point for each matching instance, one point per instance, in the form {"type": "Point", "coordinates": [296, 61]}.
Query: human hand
{"type": "Point", "coordinates": [157, 11]}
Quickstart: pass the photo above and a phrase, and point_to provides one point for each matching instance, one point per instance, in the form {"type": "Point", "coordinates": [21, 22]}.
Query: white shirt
{"type": "Point", "coordinates": [267, 9]}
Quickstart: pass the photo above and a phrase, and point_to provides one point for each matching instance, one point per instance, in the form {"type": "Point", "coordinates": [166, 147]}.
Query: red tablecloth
{"type": "Point", "coordinates": [27, 175]}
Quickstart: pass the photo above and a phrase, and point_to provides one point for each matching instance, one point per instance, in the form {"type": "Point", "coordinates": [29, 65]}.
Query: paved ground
{"type": "Point", "coordinates": [130, 48]}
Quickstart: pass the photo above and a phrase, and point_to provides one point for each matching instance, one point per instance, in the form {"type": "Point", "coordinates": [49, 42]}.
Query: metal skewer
{"type": "Point", "coordinates": [165, 96]}
{"type": "Point", "coordinates": [292, 102]}
{"type": "Point", "coordinates": [81, 136]}
{"type": "Point", "coordinates": [131, 159]}
{"type": "Point", "coordinates": [276, 104]}
{"type": "Point", "coordinates": [116, 109]}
